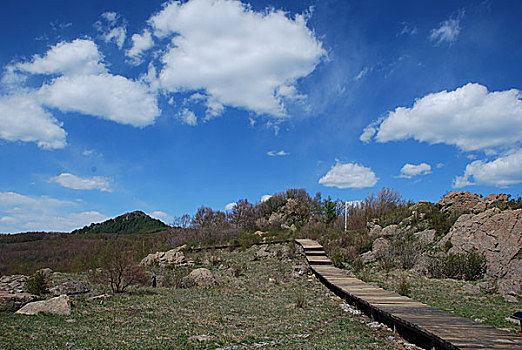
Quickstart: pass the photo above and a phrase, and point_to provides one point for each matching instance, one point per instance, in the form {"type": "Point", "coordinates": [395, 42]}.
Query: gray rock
{"type": "Point", "coordinates": [471, 289]}
{"type": "Point", "coordinates": [173, 257]}
{"type": "Point", "coordinates": [201, 278]}
{"type": "Point", "coordinates": [10, 302]}
{"type": "Point", "coordinates": [425, 237]}
{"type": "Point", "coordinates": [71, 288]}
{"type": "Point", "coordinates": [57, 306]}
{"type": "Point", "coordinates": [390, 230]}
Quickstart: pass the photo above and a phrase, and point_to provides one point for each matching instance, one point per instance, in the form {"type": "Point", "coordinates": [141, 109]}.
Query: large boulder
{"type": "Point", "coordinates": [459, 202]}
{"type": "Point", "coordinates": [13, 283]}
{"type": "Point", "coordinates": [71, 288]}
{"type": "Point", "coordinates": [173, 257]}
{"type": "Point", "coordinates": [57, 306]}
{"type": "Point", "coordinates": [498, 234]}
{"type": "Point", "coordinates": [10, 302]}
{"type": "Point", "coordinates": [201, 278]}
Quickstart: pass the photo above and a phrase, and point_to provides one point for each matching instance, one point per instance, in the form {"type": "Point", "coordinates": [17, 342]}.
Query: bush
{"type": "Point", "coordinates": [37, 284]}
{"type": "Point", "coordinates": [119, 269]}
{"type": "Point", "coordinates": [404, 285]}
{"type": "Point", "coordinates": [468, 266]}
{"type": "Point", "coordinates": [338, 258]}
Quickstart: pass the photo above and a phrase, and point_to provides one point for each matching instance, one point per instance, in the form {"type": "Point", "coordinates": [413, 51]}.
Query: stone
{"type": "Point", "coordinates": [368, 257]}
{"type": "Point", "coordinates": [10, 302]}
{"type": "Point", "coordinates": [497, 234]}
{"type": "Point", "coordinates": [380, 245]}
{"type": "Point", "coordinates": [510, 298]}
{"type": "Point", "coordinates": [201, 278]}
{"type": "Point", "coordinates": [459, 202]}
{"type": "Point", "coordinates": [471, 289]}
{"type": "Point", "coordinates": [71, 288]}
{"type": "Point", "coordinates": [375, 230]}
{"type": "Point", "coordinates": [263, 252]}
{"type": "Point", "coordinates": [425, 237]}
{"type": "Point", "coordinates": [47, 272]}
{"type": "Point", "coordinates": [390, 230]}
{"type": "Point", "coordinates": [13, 283]}
{"type": "Point", "coordinates": [173, 257]}
{"type": "Point", "coordinates": [57, 306]}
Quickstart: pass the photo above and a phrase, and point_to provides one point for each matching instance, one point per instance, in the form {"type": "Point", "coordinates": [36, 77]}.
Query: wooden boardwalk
{"type": "Point", "coordinates": [419, 323]}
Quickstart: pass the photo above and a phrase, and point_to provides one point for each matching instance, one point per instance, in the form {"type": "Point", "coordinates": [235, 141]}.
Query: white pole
{"type": "Point", "coordinates": [345, 216]}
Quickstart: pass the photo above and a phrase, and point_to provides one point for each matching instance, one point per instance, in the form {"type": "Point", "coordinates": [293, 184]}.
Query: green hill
{"type": "Point", "coordinates": [134, 222]}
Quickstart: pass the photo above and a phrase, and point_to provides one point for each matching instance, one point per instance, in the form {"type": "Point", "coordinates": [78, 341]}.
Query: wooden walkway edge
{"type": "Point", "coordinates": [417, 322]}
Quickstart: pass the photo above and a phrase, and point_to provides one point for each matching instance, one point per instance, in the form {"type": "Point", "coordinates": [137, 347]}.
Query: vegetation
{"type": "Point", "coordinates": [265, 306]}
{"type": "Point", "coordinates": [37, 284]}
{"type": "Point", "coordinates": [135, 222]}
{"type": "Point", "coordinates": [469, 266]}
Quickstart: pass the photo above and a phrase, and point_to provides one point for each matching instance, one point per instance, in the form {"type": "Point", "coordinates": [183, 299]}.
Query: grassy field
{"type": "Point", "coordinates": [448, 295]}
{"type": "Point", "coordinates": [258, 304]}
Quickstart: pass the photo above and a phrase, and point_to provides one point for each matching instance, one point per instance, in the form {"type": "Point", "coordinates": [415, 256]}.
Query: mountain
{"type": "Point", "coordinates": [134, 222]}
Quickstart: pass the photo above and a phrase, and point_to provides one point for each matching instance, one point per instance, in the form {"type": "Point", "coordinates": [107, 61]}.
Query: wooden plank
{"type": "Point", "coordinates": [446, 330]}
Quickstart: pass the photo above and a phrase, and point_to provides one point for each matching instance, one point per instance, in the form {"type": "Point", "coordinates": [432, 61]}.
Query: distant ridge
{"type": "Point", "coordinates": [133, 222]}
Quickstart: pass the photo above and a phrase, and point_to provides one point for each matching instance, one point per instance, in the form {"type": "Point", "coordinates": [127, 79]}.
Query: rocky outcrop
{"type": "Point", "coordinates": [466, 202]}
{"type": "Point", "coordinates": [57, 306]}
{"type": "Point", "coordinates": [71, 288]}
{"type": "Point", "coordinates": [173, 257]}
{"type": "Point", "coordinates": [12, 284]}
{"type": "Point", "coordinates": [498, 234]}
{"type": "Point", "coordinates": [200, 278]}
{"type": "Point", "coordinates": [10, 302]}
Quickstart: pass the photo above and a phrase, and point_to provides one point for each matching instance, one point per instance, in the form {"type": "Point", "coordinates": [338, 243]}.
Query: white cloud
{"type": "Point", "coordinates": [140, 44]}
{"type": "Point", "coordinates": [79, 56]}
{"type": "Point", "coordinates": [410, 170]}
{"type": "Point", "coordinates": [265, 197]}
{"type": "Point", "coordinates": [277, 154]}
{"type": "Point", "coordinates": [83, 183]}
{"type": "Point", "coordinates": [502, 172]}
{"type": "Point", "coordinates": [107, 96]}
{"type": "Point", "coordinates": [188, 117]}
{"type": "Point", "coordinates": [349, 175]}
{"type": "Point", "coordinates": [408, 29]}
{"type": "Point", "coordinates": [363, 73]}
{"type": "Point", "coordinates": [469, 117]}
{"type": "Point", "coordinates": [112, 29]}
{"type": "Point", "coordinates": [230, 206]}
{"type": "Point", "coordinates": [160, 215]}
{"type": "Point", "coordinates": [20, 213]}
{"type": "Point", "coordinates": [22, 118]}
{"type": "Point", "coordinates": [448, 30]}
{"type": "Point", "coordinates": [240, 57]}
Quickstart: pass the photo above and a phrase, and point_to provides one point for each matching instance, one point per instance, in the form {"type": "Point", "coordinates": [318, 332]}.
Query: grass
{"type": "Point", "coordinates": [447, 295]}
{"type": "Point", "coordinates": [265, 305]}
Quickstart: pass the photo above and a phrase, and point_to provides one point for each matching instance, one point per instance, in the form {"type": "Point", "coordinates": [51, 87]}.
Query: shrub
{"type": "Point", "coordinates": [300, 301]}
{"type": "Point", "coordinates": [37, 284]}
{"type": "Point", "coordinates": [338, 258]}
{"type": "Point", "coordinates": [404, 285]}
{"type": "Point", "coordinates": [468, 266]}
{"type": "Point", "coordinates": [119, 269]}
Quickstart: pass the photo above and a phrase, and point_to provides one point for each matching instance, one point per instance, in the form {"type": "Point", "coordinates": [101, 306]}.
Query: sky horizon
{"type": "Point", "coordinates": [112, 106]}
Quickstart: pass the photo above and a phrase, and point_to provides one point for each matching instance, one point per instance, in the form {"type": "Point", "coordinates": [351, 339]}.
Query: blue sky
{"type": "Point", "coordinates": [112, 106]}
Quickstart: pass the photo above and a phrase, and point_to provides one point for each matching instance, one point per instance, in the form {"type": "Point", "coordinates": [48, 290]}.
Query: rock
{"type": "Point", "coordinates": [10, 302]}
{"type": "Point", "coordinates": [201, 278]}
{"type": "Point", "coordinates": [510, 298]}
{"type": "Point", "coordinates": [375, 230]}
{"type": "Point", "coordinates": [173, 257]}
{"type": "Point", "coordinates": [368, 257]}
{"type": "Point", "coordinates": [202, 337]}
{"type": "Point", "coordinates": [71, 288]}
{"type": "Point", "coordinates": [497, 234]}
{"type": "Point", "coordinates": [47, 272]}
{"type": "Point", "coordinates": [380, 245]}
{"type": "Point", "coordinates": [263, 252]}
{"type": "Point", "coordinates": [13, 283]}
{"type": "Point", "coordinates": [471, 289]}
{"type": "Point", "coordinates": [275, 219]}
{"type": "Point", "coordinates": [425, 237]}
{"type": "Point", "coordinates": [390, 230]}
{"type": "Point", "coordinates": [485, 286]}
{"type": "Point", "coordinates": [459, 202]}
{"type": "Point", "coordinates": [57, 306]}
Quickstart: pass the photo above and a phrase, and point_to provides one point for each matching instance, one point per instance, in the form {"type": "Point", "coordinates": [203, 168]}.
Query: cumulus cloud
{"type": "Point", "coordinates": [277, 154]}
{"type": "Point", "coordinates": [230, 206]}
{"type": "Point", "coordinates": [79, 56]}
{"type": "Point", "coordinates": [265, 197]}
{"type": "Point", "coordinates": [188, 117]}
{"type": "Point", "coordinates": [112, 28]}
{"type": "Point", "coordinates": [410, 170]}
{"type": "Point", "coordinates": [83, 183]}
{"type": "Point", "coordinates": [107, 96]}
{"type": "Point", "coordinates": [448, 30]}
{"type": "Point", "coordinates": [22, 118]}
{"type": "Point", "coordinates": [470, 117]}
{"type": "Point", "coordinates": [140, 44]}
{"type": "Point", "coordinates": [349, 175]}
{"type": "Point", "coordinates": [160, 215]}
{"type": "Point", "coordinates": [502, 172]}
{"type": "Point", "coordinates": [239, 57]}
{"type": "Point", "coordinates": [20, 213]}
{"type": "Point", "coordinates": [78, 81]}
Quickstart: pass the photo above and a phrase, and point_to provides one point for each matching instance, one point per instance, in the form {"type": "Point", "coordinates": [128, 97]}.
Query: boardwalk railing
{"type": "Point", "coordinates": [417, 322]}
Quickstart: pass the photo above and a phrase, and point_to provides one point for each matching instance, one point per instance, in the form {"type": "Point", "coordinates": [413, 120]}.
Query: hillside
{"type": "Point", "coordinates": [134, 222]}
